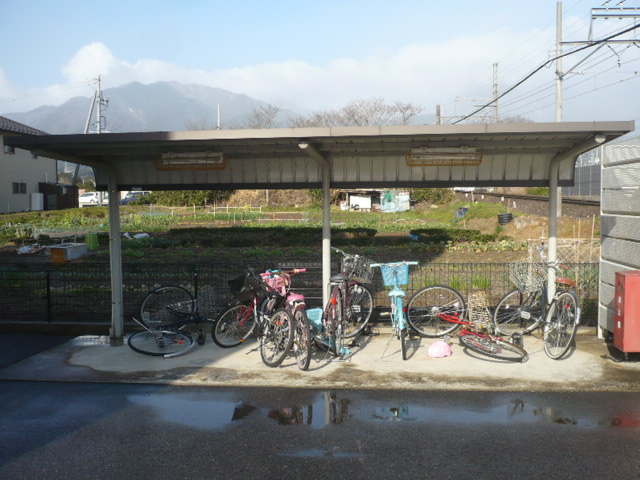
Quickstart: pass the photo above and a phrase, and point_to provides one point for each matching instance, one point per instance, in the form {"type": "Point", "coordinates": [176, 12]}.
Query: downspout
{"type": "Point", "coordinates": [554, 172]}
{"type": "Point", "coordinates": [310, 150]}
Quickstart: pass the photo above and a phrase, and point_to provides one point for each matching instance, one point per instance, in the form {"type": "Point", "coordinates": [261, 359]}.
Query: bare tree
{"type": "Point", "coordinates": [361, 113]}
{"type": "Point", "coordinates": [515, 119]}
{"type": "Point", "coordinates": [263, 116]}
{"type": "Point", "coordinates": [199, 125]}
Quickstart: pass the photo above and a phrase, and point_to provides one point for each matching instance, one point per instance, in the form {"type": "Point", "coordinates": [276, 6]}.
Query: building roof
{"type": "Point", "coordinates": [9, 126]}
{"type": "Point", "coordinates": [509, 154]}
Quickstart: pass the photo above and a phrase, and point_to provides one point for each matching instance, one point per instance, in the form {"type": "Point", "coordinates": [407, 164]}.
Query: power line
{"type": "Point", "coordinates": [548, 62]}
{"type": "Point", "coordinates": [46, 91]}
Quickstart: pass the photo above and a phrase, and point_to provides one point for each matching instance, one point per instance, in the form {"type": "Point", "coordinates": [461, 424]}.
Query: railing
{"type": "Point", "coordinates": [81, 293]}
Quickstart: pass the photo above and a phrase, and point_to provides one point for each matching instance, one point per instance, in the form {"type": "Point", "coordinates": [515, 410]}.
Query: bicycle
{"type": "Point", "coordinates": [259, 309]}
{"type": "Point", "coordinates": [349, 307]}
{"type": "Point", "coordinates": [165, 314]}
{"type": "Point", "coordinates": [527, 307]}
{"type": "Point", "coordinates": [295, 303]}
{"type": "Point", "coordinates": [439, 311]}
{"type": "Point", "coordinates": [357, 298]}
{"type": "Point", "coordinates": [394, 275]}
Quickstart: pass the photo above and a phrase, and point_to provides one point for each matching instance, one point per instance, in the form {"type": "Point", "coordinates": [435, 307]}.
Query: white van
{"type": "Point", "coordinates": [92, 199]}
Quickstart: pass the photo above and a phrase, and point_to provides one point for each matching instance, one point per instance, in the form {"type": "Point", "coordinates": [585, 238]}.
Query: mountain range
{"type": "Point", "coordinates": [162, 106]}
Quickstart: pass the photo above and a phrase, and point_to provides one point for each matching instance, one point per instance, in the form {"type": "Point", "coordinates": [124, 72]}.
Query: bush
{"type": "Point", "coordinates": [437, 196]}
{"type": "Point", "coordinates": [186, 198]}
{"type": "Point", "coordinates": [445, 235]}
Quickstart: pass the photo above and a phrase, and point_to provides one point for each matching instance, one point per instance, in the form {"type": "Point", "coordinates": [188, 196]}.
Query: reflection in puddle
{"type": "Point", "coordinates": [216, 412]}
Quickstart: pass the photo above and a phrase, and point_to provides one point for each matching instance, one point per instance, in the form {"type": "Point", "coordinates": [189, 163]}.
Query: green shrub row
{"type": "Point", "coordinates": [446, 235]}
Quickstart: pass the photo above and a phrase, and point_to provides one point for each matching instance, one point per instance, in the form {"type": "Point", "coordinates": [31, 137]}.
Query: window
{"type": "Point", "coordinates": [19, 187]}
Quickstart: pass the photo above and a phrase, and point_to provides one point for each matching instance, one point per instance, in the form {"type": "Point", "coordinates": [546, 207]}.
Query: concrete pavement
{"type": "Point", "coordinates": [376, 362]}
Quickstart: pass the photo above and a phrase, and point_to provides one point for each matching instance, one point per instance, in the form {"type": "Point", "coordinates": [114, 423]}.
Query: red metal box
{"type": "Point", "coordinates": [626, 335]}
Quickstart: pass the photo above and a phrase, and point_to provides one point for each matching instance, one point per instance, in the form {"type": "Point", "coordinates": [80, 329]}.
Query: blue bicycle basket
{"type": "Point", "coordinates": [401, 271]}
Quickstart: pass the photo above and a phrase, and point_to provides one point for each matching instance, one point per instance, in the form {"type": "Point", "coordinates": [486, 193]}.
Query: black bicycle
{"type": "Point", "coordinates": [167, 316]}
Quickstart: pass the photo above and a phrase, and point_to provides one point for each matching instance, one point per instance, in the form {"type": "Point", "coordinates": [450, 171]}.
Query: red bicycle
{"type": "Point", "coordinates": [439, 311]}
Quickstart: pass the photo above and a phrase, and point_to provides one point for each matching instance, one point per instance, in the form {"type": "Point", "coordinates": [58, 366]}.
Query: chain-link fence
{"type": "Point", "coordinates": [77, 294]}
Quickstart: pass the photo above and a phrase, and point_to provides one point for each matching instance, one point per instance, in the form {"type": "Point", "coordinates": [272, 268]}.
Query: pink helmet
{"type": "Point", "coordinates": [439, 349]}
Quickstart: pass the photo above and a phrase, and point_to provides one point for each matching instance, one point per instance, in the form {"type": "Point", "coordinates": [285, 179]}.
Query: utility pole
{"type": "Point", "coordinates": [617, 12]}
{"type": "Point", "coordinates": [559, 75]}
{"type": "Point", "coordinates": [495, 92]}
{"type": "Point", "coordinates": [441, 119]}
{"type": "Point", "coordinates": [99, 101]}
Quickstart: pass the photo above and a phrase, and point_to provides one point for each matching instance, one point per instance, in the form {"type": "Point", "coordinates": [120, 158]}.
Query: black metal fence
{"type": "Point", "coordinates": [81, 293]}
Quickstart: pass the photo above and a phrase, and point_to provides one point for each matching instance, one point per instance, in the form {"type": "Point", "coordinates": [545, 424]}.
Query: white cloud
{"type": "Point", "coordinates": [425, 74]}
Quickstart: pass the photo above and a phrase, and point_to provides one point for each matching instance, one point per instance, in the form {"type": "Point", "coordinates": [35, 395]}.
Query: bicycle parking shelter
{"type": "Point", "coordinates": [412, 156]}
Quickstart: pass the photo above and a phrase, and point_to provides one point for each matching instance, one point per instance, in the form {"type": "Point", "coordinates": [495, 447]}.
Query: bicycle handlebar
{"type": "Point", "coordinates": [403, 262]}
{"type": "Point", "coordinates": [294, 271]}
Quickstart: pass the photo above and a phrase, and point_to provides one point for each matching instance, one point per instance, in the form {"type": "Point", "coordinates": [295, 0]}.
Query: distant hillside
{"type": "Point", "coordinates": [162, 106]}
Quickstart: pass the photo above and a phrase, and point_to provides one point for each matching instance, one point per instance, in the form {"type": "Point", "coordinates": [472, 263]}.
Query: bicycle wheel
{"type": "Point", "coordinates": [163, 343]}
{"type": "Point", "coordinates": [302, 339]}
{"type": "Point", "coordinates": [561, 325]}
{"type": "Point", "coordinates": [167, 305]}
{"type": "Point", "coordinates": [518, 312]}
{"type": "Point", "coordinates": [494, 348]}
{"type": "Point", "coordinates": [233, 326]}
{"type": "Point", "coordinates": [277, 338]}
{"type": "Point", "coordinates": [359, 308]}
{"type": "Point", "coordinates": [429, 310]}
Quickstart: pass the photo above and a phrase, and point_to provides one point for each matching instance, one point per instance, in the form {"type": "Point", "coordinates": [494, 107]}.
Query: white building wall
{"type": "Point", "coordinates": [22, 169]}
{"type": "Point", "coordinates": [620, 208]}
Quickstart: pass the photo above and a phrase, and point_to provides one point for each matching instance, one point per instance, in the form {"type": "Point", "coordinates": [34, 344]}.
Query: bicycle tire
{"type": "Point", "coordinates": [561, 325]}
{"type": "Point", "coordinates": [426, 306]}
{"type": "Point", "coordinates": [167, 305]}
{"type": "Point", "coordinates": [359, 309]}
{"type": "Point", "coordinates": [336, 322]}
{"type": "Point", "coordinates": [403, 342]}
{"type": "Point", "coordinates": [494, 348]}
{"type": "Point", "coordinates": [277, 338]}
{"type": "Point", "coordinates": [518, 312]}
{"type": "Point", "coordinates": [171, 344]}
{"type": "Point", "coordinates": [302, 340]}
{"type": "Point", "coordinates": [233, 326]}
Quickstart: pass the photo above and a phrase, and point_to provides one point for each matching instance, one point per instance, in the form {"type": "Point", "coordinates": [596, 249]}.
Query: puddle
{"type": "Point", "coordinates": [219, 411]}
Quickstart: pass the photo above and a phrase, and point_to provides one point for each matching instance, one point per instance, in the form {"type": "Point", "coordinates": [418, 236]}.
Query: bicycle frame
{"type": "Point", "coordinates": [399, 322]}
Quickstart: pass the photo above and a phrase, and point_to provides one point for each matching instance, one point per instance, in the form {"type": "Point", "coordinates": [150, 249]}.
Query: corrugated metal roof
{"type": "Point", "coordinates": [360, 157]}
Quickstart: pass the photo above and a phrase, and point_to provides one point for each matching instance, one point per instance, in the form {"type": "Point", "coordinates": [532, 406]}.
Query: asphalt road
{"type": "Point", "coordinates": [59, 430]}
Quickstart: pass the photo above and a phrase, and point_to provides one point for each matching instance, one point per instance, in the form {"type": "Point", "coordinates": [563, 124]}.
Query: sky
{"type": "Point", "coordinates": [315, 56]}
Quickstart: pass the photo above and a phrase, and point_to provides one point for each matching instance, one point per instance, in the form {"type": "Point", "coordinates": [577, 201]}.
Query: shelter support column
{"type": "Point", "coordinates": [571, 155]}
{"type": "Point", "coordinates": [116, 332]}
{"type": "Point", "coordinates": [552, 254]}
{"type": "Point", "coordinates": [306, 147]}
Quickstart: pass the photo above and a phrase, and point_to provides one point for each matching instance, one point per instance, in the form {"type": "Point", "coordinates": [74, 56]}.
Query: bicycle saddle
{"type": "Point", "coordinates": [339, 277]}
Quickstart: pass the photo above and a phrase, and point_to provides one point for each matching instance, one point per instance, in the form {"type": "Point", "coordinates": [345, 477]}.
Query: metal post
{"type": "Point", "coordinates": [559, 75]}
{"type": "Point", "coordinates": [325, 167]}
{"type": "Point", "coordinates": [116, 333]}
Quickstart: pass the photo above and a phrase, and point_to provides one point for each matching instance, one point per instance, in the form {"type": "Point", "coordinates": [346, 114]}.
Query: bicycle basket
{"type": "Point", "coordinates": [243, 287]}
{"type": "Point", "coordinates": [357, 268]}
{"type": "Point", "coordinates": [399, 270]}
{"type": "Point", "coordinates": [527, 277]}
{"type": "Point", "coordinates": [277, 281]}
